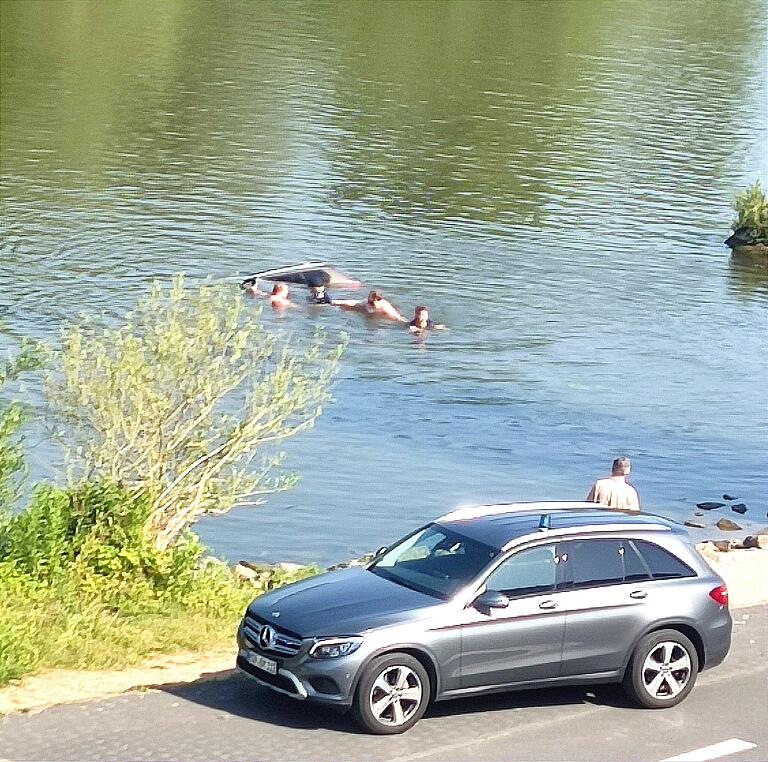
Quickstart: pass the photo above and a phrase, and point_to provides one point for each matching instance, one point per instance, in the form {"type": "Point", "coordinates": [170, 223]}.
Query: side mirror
{"type": "Point", "coordinates": [380, 551]}
{"type": "Point", "coordinates": [490, 599]}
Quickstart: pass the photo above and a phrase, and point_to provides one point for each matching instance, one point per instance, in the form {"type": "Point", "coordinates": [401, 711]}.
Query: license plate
{"type": "Point", "coordinates": [261, 662]}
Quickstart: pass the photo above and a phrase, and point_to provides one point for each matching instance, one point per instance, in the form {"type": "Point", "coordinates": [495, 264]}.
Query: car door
{"type": "Point", "coordinates": [523, 641]}
{"type": "Point", "coordinates": [605, 602]}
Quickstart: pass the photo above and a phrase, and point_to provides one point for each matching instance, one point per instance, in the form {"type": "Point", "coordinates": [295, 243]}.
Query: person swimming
{"type": "Point", "coordinates": [280, 296]}
{"type": "Point", "coordinates": [318, 295]}
{"type": "Point", "coordinates": [421, 320]}
{"type": "Point", "coordinates": [374, 305]}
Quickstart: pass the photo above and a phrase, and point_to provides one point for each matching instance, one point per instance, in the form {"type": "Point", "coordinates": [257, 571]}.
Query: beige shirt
{"type": "Point", "coordinates": [615, 493]}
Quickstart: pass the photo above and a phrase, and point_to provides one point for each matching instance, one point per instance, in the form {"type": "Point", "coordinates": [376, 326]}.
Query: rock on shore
{"type": "Point", "coordinates": [743, 567]}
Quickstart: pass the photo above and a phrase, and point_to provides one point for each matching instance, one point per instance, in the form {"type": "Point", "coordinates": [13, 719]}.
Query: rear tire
{"type": "Point", "coordinates": [392, 694]}
{"type": "Point", "coordinates": [662, 670]}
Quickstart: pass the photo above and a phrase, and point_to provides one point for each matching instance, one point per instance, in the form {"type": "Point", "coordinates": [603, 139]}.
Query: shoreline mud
{"type": "Point", "coordinates": [744, 570]}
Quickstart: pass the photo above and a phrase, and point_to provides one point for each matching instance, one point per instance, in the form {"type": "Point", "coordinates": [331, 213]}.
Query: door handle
{"type": "Point", "coordinates": [547, 605]}
{"type": "Point", "coordinates": [638, 594]}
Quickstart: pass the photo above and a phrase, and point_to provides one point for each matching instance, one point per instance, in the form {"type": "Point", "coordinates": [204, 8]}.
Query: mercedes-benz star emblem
{"type": "Point", "coordinates": [266, 637]}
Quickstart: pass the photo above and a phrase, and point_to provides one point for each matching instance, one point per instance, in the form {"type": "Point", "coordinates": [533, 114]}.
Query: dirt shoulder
{"type": "Point", "coordinates": [61, 686]}
{"type": "Point", "coordinates": [744, 571]}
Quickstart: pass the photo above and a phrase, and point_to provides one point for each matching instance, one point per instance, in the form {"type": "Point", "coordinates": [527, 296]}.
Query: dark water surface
{"type": "Point", "coordinates": [553, 179]}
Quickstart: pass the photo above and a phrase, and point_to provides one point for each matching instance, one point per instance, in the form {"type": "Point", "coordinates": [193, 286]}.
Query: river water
{"type": "Point", "coordinates": [553, 179]}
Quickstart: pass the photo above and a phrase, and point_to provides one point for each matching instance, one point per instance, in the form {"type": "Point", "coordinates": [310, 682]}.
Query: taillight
{"type": "Point", "coordinates": [719, 594]}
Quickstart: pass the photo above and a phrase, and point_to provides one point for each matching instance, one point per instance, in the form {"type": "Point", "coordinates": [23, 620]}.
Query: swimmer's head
{"type": "Point", "coordinates": [317, 290]}
{"type": "Point", "coordinates": [280, 289]}
{"type": "Point", "coordinates": [421, 316]}
{"type": "Point", "coordinates": [373, 297]}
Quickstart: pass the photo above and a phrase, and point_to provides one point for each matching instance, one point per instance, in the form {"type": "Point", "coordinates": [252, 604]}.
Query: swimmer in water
{"type": "Point", "coordinates": [318, 295]}
{"type": "Point", "coordinates": [252, 288]}
{"type": "Point", "coordinates": [279, 296]}
{"type": "Point", "coordinates": [421, 321]}
{"type": "Point", "coordinates": [375, 304]}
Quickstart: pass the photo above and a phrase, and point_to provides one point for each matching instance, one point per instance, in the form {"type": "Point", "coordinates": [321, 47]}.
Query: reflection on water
{"type": "Point", "coordinates": [748, 275]}
{"type": "Point", "coordinates": [553, 179]}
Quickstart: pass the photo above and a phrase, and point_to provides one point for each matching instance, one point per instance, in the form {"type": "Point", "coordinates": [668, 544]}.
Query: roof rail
{"type": "Point", "coordinates": [474, 511]}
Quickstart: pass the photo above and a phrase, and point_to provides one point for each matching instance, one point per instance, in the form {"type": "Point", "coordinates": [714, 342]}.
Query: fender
{"type": "Point", "coordinates": [407, 647]}
{"type": "Point", "coordinates": [670, 623]}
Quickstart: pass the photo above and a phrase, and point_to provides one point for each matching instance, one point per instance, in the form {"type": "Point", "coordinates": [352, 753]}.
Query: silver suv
{"type": "Point", "coordinates": [496, 598]}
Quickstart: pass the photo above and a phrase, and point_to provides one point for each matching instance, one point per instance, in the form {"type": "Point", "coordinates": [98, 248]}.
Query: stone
{"type": "Point", "coordinates": [709, 506]}
{"type": "Point", "coordinates": [708, 550]}
{"type": "Point", "coordinates": [727, 525]}
{"type": "Point", "coordinates": [286, 566]}
{"type": "Point", "coordinates": [756, 541]}
{"type": "Point", "coordinates": [722, 545]}
{"type": "Point", "coordinates": [695, 524]}
{"type": "Point", "coordinates": [244, 572]}
{"type": "Point", "coordinates": [739, 508]}
{"type": "Point", "coordinates": [698, 513]}
{"type": "Point", "coordinates": [728, 497]}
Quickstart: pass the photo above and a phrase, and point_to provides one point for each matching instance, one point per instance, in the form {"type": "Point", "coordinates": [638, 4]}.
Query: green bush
{"type": "Point", "coordinates": [165, 416]}
{"type": "Point", "coordinates": [81, 587]}
{"type": "Point", "coordinates": [184, 402]}
{"type": "Point", "coordinates": [752, 209]}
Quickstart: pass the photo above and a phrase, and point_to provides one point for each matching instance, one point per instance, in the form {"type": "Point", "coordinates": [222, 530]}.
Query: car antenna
{"type": "Point", "coordinates": [545, 522]}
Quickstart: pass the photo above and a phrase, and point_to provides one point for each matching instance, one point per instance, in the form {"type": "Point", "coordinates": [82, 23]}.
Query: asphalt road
{"type": "Point", "coordinates": [235, 719]}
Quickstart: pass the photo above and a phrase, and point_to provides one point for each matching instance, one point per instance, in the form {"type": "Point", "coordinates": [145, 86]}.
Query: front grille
{"type": "Point", "coordinates": [284, 644]}
{"type": "Point", "coordinates": [276, 681]}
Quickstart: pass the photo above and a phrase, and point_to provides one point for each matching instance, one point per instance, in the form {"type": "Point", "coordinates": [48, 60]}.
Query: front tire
{"type": "Point", "coordinates": [662, 670]}
{"type": "Point", "coordinates": [392, 694]}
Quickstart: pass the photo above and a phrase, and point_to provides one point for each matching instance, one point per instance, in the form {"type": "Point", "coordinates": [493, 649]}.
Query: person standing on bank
{"type": "Point", "coordinates": [614, 491]}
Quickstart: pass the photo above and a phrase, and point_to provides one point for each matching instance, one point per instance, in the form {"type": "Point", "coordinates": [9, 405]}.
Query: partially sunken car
{"type": "Point", "coordinates": [496, 598]}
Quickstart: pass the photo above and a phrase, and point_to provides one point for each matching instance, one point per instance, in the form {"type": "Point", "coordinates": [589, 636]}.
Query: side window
{"type": "Point", "coordinates": [662, 563]}
{"type": "Point", "coordinates": [589, 563]}
{"type": "Point", "coordinates": [529, 572]}
{"type": "Point", "coordinates": [635, 568]}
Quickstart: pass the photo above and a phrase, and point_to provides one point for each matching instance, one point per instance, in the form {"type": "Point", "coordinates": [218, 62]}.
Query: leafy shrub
{"type": "Point", "coordinates": [752, 209]}
{"type": "Point", "coordinates": [80, 586]}
{"type": "Point", "coordinates": [177, 403]}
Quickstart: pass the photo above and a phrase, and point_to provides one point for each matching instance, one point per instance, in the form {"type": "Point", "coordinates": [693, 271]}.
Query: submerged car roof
{"type": "Point", "coordinates": [501, 524]}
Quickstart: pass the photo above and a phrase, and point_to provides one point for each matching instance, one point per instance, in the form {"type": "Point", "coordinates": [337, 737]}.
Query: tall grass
{"type": "Point", "coordinates": [80, 587]}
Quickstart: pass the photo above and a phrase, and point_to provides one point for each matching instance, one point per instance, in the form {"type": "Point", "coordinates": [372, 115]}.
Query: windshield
{"type": "Point", "coordinates": [434, 560]}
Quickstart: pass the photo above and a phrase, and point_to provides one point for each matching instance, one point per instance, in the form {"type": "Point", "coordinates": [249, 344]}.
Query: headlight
{"type": "Point", "coordinates": [333, 648]}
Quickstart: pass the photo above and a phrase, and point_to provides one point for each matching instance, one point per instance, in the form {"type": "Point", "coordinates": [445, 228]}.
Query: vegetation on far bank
{"type": "Point", "coordinates": [752, 214]}
{"type": "Point", "coordinates": [163, 419]}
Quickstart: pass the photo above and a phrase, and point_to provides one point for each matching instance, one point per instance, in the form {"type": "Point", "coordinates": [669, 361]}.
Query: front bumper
{"type": "Point", "coordinates": [326, 681]}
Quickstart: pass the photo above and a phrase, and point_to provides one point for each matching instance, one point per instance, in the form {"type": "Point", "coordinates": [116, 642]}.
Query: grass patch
{"type": "Point", "coordinates": [63, 628]}
{"type": "Point", "coordinates": [81, 589]}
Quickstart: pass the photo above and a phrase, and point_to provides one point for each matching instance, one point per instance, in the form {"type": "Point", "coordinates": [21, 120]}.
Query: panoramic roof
{"type": "Point", "coordinates": [497, 525]}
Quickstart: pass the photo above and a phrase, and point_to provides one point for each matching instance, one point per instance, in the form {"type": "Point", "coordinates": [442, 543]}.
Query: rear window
{"type": "Point", "coordinates": [662, 563]}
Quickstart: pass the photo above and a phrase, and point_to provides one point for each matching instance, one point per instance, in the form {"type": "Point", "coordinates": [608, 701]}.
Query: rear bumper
{"type": "Point", "coordinates": [717, 643]}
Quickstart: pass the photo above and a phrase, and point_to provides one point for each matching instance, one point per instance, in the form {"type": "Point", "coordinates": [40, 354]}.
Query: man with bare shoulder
{"type": "Point", "coordinates": [614, 491]}
{"type": "Point", "coordinates": [374, 305]}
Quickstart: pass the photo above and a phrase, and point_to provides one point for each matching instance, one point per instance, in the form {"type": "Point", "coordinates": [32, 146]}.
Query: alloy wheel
{"type": "Point", "coordinates": [395, 696]}
{"type": "Point", "coordinates": [666, 670]}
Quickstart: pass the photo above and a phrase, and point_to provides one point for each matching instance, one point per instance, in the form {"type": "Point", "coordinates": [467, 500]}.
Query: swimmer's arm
{"type": "Point", "coordinates": [391, 311]}
{"type": "Point", "coordinates": [349, 304]}
{"type": "Point", "coordinates": [437, 327]}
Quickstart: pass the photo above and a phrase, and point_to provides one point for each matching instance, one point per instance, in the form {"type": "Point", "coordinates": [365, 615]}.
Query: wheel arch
{"type": "Point", "coordinates": [426, 659]}
{"type": "Point", "coordinates": [685, 628]}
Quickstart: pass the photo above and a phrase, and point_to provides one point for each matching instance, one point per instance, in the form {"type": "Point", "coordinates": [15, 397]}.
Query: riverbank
{"type": "Point", "coordinates": [745, 572]}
